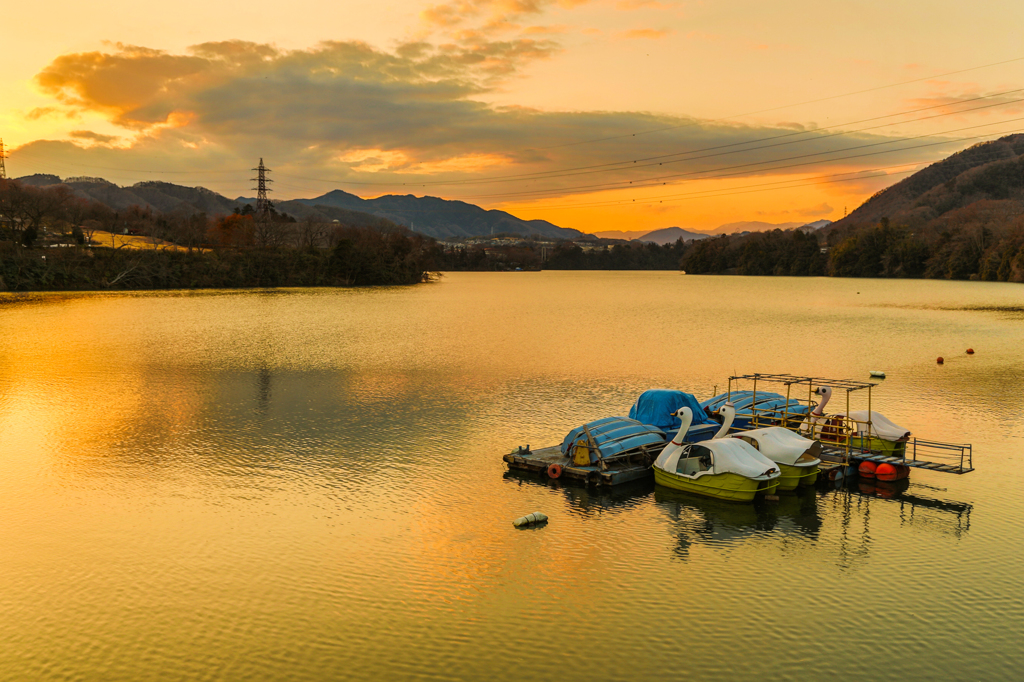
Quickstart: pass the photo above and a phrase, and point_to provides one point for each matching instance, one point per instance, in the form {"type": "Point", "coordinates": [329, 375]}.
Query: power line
{"type": "Point", "coordinates": [652, 159]}
{"type": "Point", "coordinates": [786, 106]}
{"type": "Point", "coordinates": [633, 163]}
{"type": "Point", "coordinates": [792, 182]}
{"type": "Point", "coordinates": [625, 184]}
{"type": "Point", "coordinates": [704, 194]}
{"type": "Point", "coordinates": [796, 182]}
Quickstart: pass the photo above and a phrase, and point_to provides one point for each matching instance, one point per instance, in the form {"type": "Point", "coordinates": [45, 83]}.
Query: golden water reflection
{"type": "Point", "coordinates": [308, 485]}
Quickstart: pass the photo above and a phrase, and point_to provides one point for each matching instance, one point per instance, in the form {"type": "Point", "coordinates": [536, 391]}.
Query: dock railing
{"type": "Point", "coordinates": [930, 454]}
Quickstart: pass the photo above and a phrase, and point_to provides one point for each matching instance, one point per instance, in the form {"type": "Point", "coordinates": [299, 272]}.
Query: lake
{"type": "Point", "coordinates": [308, 485]}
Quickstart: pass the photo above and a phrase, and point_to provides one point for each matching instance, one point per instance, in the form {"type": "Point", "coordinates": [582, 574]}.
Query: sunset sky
{"type": "Point", "coordinates": [598, 115]}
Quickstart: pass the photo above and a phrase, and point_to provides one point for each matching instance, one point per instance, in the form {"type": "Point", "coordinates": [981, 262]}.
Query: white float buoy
{"type": "Point", "coordinates": [877, 374]}
{"type": "Point", "coordinates": [529, 519]}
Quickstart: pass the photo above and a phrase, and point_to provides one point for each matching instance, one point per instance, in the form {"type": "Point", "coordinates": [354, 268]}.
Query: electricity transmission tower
{"type": "Point", "coordinates": [263, 223]}
{"type": "Point", "coordinates": [3, 155]}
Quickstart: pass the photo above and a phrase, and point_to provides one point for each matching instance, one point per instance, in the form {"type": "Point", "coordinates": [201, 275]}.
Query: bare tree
{"type": "Point", "coordinates": [310, 234]}
{"type": "Point", "coordinates": [89, 228]}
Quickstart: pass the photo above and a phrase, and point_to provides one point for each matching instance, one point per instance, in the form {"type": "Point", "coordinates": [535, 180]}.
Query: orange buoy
{"type": "Point", "coordinates": [554, 471]}
{"type": "Point", "coordinates": [892, 472]}
{"type": "Point", "coordinates": [867, 469]}
{"type": "Point", "coordinates": [970, 351]}
{"type": "Point", "coordinates": [940, 360]}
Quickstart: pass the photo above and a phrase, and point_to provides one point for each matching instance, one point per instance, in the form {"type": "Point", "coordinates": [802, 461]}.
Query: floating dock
{"type": "Point", "coordinates": [846, 441]}
{"type": "Point", "coordinates": [946, 458]}
{"type": "Point", "coordinates": [621, 471]}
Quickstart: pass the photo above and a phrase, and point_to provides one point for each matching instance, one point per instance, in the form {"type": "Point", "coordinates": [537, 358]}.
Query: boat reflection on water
{"type": "Point", "coordinates": [842, 516]}
{"type": "Point", "coordinates": [913, 505]}
{"type": "Point", "coordinates": [699, 521]}
{"type": "Point", "coordinates": [586, 500]}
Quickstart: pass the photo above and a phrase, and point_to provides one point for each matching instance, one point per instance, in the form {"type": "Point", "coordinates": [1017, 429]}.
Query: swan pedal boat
{"type": "Point", "coordinates": [723, 468]}
{"type": "Point", "coordinates": [883, 436]}
{"type": "Point", "coordinates": [798, 457]}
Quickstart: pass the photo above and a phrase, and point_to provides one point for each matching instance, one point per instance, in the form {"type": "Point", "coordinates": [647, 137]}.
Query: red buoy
{"type": "Point", "coordinates": [892, 472]}
{"type": "Point", "coordinates": [940, 360]}
{"type": "Point", "coordinates": [885, 472]}
{"type": "Point", "coordinates": [867, 469]}
{"type": "Point", "coordinates": [970, 351]}
{"type": "Point", "coordinates": [554, 471]}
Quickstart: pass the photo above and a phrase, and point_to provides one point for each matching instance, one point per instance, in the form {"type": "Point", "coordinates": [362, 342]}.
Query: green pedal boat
{"type": "Point", "coordinates": [723, 468]}
{"type": "Point", "coordinates": [798, 457]}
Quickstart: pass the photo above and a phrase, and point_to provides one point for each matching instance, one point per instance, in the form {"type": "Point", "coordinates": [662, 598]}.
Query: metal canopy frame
{"type": "Point", "coordinates": [841, 430]}
{"type": "Point", "coordinates": [791, 379]}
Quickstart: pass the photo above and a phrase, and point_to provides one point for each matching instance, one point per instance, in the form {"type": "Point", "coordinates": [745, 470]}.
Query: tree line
{"type": "Point", "coordinates": [983, 240]}
{"type": "Point", "coordinates": [970, 251]}
{"type": "Point", "coordinates": [43, 232]}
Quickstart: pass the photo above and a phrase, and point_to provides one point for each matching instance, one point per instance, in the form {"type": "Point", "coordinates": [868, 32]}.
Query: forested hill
{"type": "Point", "coordinates": [439, 218]}
{"type": "Point", "coordinates": [960, 218]}
{"type": "Point", "coordinates": [990, 172]}
{"type": "Point", "coordinates": [432, 216]}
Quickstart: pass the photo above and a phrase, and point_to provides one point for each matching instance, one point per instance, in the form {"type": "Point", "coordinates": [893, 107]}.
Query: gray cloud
{"type": "Point", "coordinates": [91, 136]}
{"type": "Point", "coordinates": [347, 112]}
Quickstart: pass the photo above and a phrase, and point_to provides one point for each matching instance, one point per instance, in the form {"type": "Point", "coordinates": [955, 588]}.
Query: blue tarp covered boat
{"type": "Point", "coordinates": [769, 406]}
{"type": "Point", "coordinates": [614, 436]}
{"type": "Point", "coordinates": [658, 407]}
{"type": "Point", "coordinates": [617, 450]}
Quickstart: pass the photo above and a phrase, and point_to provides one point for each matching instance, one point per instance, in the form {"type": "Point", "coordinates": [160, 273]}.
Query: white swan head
{"type": "Point", "coordinates": [685, 415]}
{"type": "Point", "coordinates": [670, 453]}
{"type": "Point", "coordinates": [825, 392]}
{"type": "Point", "coordinates": [728, 412]}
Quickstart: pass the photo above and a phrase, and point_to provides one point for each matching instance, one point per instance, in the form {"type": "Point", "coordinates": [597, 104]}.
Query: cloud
{"type": "Point", "coordinates": [631, 5]}
{"type": "Point", "coordinates": [999, 104]}
{"type": "Point", "coordinates": [646, 33]}
{"type": "Point", "coordinates": [346, 113]}
{"type": "Point", "coordinates": [546, 30]}
{"type": "Point", "coordinates": [90, 136]}
{"type": "Point", "coordinates": [50, 112]}
{"type": "Point", "coordinates": [459, 12]}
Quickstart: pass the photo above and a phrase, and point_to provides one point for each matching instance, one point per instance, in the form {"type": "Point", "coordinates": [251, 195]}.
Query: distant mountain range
{"type": "Point", "coordinates": [435, 217]}
{"type": "Point", "coordinates": [669, 235]}
{"type": "Point", "coordinates": [440, 218]}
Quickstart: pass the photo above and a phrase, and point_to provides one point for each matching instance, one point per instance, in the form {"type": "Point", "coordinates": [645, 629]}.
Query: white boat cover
{"type": "Point", "coordinates": [728, 455]}
{"type": "Point", "coordinates": [881, 426]}
{"type": "Point", "coordinates": [778, 444]}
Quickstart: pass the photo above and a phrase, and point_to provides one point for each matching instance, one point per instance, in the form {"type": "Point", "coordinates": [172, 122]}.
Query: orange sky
{"type": "Point", "coordinates": [781, 113]}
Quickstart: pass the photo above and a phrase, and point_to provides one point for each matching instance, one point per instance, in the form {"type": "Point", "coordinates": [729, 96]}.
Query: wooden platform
{"type": "Point", "coordinates": [836, 456]}
{"type": "Point", "coordinates": [538, 461]}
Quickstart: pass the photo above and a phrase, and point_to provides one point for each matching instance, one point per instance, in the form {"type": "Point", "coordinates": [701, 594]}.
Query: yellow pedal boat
{"type": "Point", "coordinates": [723, 468]}
{"type": "Point", "coordinates": [797, 457]}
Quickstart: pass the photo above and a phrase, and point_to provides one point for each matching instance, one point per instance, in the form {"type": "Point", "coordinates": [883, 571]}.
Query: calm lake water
{"type": "Point", "coordinates": [308, 485]}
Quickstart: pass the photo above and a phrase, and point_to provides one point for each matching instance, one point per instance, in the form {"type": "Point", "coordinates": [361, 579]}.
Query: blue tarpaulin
{"type": "Point", "coordinates": [769, 405]}
{"type": "Point", "coordinates": [614, 435]}
{"type": "Point", "coordinates": [658, 407]}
